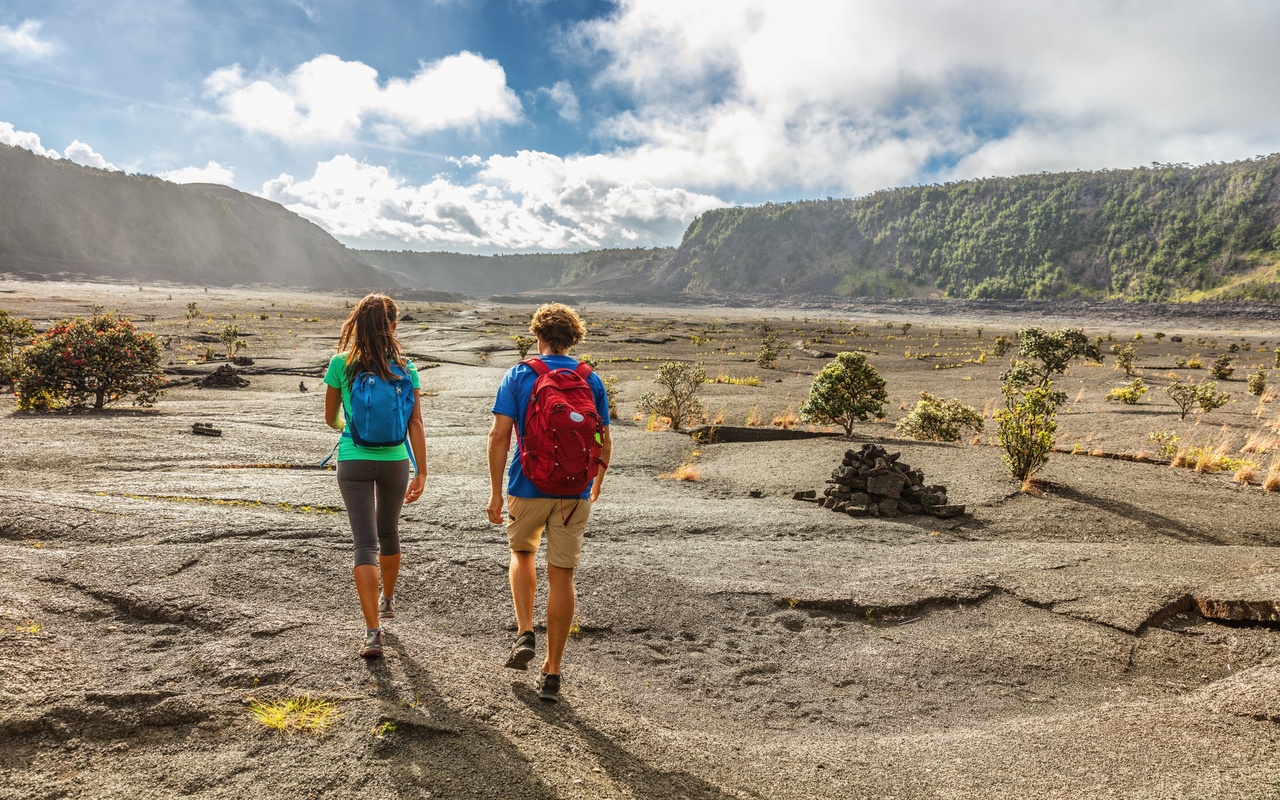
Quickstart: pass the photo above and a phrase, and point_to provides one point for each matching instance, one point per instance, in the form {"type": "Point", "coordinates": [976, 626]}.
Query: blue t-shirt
{"type": "Point", "coordinates": [513, 401]}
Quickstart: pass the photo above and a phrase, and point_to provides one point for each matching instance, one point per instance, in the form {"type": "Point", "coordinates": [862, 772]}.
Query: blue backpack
{"type": "Point", "coordinates": [380, 408]}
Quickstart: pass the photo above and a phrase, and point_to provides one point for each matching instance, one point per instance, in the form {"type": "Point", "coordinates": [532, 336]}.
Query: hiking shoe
{"type": "Point", "coordinates": [521, 652]}
{"type": "Point", "coordinates": [372, 644]}
{"type": "Point", "coordinates": [387, 608]}
{"type": "Point", "coordinates": [548, 686]}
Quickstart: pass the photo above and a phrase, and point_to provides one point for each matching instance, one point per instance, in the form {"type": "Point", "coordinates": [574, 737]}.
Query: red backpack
{"type": "Point", "coordinates": [560, 451]}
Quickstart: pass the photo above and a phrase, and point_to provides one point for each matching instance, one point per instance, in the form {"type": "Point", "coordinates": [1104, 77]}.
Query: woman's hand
{"type": "Point", "coordinates": [416, 487]}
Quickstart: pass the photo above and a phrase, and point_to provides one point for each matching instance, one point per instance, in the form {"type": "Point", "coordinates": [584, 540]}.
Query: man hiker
{"type": "Point", "coordinates": [559, 410]}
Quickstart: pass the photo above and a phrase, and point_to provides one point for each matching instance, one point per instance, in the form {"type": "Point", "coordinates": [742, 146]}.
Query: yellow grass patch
{"type": "Point", "coordinates": [306, 714]}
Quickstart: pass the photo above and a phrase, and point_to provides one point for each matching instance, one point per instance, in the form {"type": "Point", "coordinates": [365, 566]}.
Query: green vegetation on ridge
{"type": "Point", "coordinates": [1165, 232]}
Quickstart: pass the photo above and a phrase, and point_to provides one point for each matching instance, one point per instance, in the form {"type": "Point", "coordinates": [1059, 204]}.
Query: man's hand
{"type": "Point", "coordinates": [494, 509]}
{"type": "Point", "coordinates": [416, 486]}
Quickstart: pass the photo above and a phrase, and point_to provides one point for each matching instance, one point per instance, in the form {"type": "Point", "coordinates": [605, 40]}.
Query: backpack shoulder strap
{"type": "Point", "coordinates": [537, 365]}
{"type": "Point", "coordinates": [583, 369]}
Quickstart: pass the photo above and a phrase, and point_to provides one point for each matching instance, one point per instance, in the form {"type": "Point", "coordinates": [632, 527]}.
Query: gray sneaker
{"type": "Point", "coordinates": [521, 651]}
{"type": "Point", "coordinates": [548, 686]}
{"type": "Point", "coordinates": [387, 608]}
{"type": "Point", "coordinates": [372, 644]}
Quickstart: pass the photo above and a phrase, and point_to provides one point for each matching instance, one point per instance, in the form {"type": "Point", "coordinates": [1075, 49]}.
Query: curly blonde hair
{"type": "Point", "coordinates": [557, 325]}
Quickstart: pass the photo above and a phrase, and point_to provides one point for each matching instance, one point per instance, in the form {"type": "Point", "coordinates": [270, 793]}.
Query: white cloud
{"type": "Point", "coordinates": [530, 201]}
{"type": "Point", "coordinates": [564, 99]}
{"type": "Point", "coordinates": [24, 139]}
{"type": "Point", "coordinates": [756, 96]}
{"type": "Point", "coordinates": [86, 156]}
{"type": "Point", "coordinates": [327, 98]}
{"type": "Point", "coordinates": [24, 41]}
{"type": "Point", "coordinates": [212, 172]}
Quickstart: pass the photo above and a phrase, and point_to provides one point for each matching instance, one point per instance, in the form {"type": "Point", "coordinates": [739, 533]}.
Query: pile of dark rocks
{"type": "Point", "coordinates": [872, 482]}
{"type": "Point", "coordinates": [224, 377]}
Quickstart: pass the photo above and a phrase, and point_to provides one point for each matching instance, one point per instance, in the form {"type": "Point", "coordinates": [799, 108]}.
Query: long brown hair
{"type": "Point", "coordinates": [367, 337]}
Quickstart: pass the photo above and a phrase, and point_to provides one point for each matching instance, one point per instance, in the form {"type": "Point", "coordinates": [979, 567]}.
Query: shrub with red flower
{"type": "Point", "coordinates": [100, 360]}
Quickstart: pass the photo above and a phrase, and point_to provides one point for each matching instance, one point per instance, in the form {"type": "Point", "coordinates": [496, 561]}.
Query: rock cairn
{"type": "Point", "coordinates": [872, 482]}
{"type": "Point", "coordinates": [224, 377]}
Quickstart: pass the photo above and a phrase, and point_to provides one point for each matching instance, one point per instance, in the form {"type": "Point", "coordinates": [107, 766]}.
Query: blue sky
{"type": "Point", "coordinates": [525, 125]}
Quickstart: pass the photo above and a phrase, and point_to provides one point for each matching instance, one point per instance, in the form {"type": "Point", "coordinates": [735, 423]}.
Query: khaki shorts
{"type": "Point", "coordinates": [528, 517]}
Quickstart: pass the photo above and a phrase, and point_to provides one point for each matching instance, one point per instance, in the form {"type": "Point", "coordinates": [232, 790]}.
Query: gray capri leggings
{"type": "Point", "coordinates": [373, 492]}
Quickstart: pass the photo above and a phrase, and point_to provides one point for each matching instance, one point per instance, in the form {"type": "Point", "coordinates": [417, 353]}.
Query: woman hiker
{"type": "Point", "coordinates": [373, 474]}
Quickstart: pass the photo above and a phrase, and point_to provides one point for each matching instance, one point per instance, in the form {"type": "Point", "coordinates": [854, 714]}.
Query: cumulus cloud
{"type": "Point", "coordinates": [327, 98]}
{"type": "Point", "coordinates": [24, 139]}
{"type": "Point", "coordinates": [86, 156]}
{"type": "Point", "coordinates": [530, 201]}
{"type": "Point", "coordinates": [24, 41]}
{"type": "Point", "coordinates": [756, 96]}
{"type": "Point", "coordinates": [212, 172]}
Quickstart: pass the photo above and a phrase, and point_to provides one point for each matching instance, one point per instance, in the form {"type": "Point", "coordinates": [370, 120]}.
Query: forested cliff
{"type": "Point", "coordinates": [1155, 233]}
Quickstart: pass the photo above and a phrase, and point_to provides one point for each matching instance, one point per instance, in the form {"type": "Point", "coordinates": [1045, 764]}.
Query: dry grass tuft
{"type": "Point", "coordinates": [1080, 395]}
{"type": "Point", "coordinates": [1272, 482]}
{"type": "Point", "coordinates": [753, 417]}
{"type": "Point", "coordinates": [306, 713]}
{"type": "Point", "coordinates": [1261, 442]}
{"type": "Point", "coordinates": [1032, 487]}
{"type": "Point", "coordinates": [787, 419]}
{"type": "Point", "coordinates": [1246, 474]}
{"type": "Point", "coordinates": [686, 472]}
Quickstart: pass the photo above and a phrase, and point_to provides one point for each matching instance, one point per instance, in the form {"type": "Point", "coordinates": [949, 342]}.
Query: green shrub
{"type": "Point", "coordinates": [1129, 395]}
{"type": "Point", "coordinates": [523, 343]}
{"type": "Point", "coordinates": [1126, 357]}
{"type": "Point", "coordinates": [1001, 345]}
{"type": "Point", "coordinates": [104, 359]}
{"type": "Point", "coordinates": [14, 334]}
{"type": "Point", "coordinates": [769, 346]}
{"type": "Point", "coordinates": [1222, 368]}
{"type": "Point", "coordinates": [1027, 426]}
{"type": "Point", "coordinates": [1166, 443]}
{"type": "Point", "coordinates": [1194, 362]}
{"type": "Point", "coordinates": [937, 420]}
{"type": "Point", "coordinates": [847, 390]}
{"type": "Point", "coordinates": [1258, 383]}
{"type": "Point", "coordinates": [677, 397]}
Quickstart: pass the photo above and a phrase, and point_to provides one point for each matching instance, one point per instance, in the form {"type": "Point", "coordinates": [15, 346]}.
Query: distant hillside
{"type": "Point", "coordinates": [58, 217]}
{"type": "Point", "coordinates": [509, 274]}
{"type": "Point", "coordinates": [1163, 232]}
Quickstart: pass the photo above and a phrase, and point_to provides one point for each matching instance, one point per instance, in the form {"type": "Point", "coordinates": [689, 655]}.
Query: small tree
{"type": "Point", "coordinates": [1129, 395]}
{"type": "Point", "coordinates": [1045, 354]}
{"type": "Point", "coordinates": [769, 346]}
{"type": "Point", "coordinates": [1187, 395]}
{"type": "Point", "coordinates": [104, 359]}
{"type": "Point", "coordinates": [230, 339]}
{"type": "Point", "coordinates": [523, 343]}
{"type": "Point", "coordinates": [14, 333]}
{"type": "Point", "coordinates": [1126, 357]}
{"type": "Point", "coordinates": [1000, 345]}
{"type": "Point", "coordinates": [1222, 368]}
{"type": "Point", "coordinates": [1027, 426]}
{"type": "Point", "coordinates": [847, 390]}
{"type": "Point", "coordinates": [1028, 420]}
{"type": "Point", "coordinates": [677, 398]}
{"type": "Point", "coordinates": [937, 420]}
